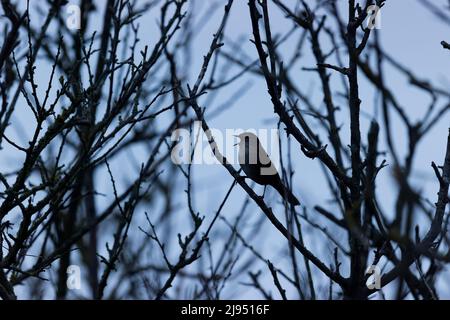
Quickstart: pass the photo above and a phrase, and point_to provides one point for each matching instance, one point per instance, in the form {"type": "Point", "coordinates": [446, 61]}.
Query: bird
{"type": "Point", "coordinates": [256, 164]}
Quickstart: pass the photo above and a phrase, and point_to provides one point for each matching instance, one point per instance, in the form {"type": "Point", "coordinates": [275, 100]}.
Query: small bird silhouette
{"type": "Point", "coordinates": [257, 166]}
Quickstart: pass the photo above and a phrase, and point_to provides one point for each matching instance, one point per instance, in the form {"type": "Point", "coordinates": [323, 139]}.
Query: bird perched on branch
{"type": "Point", "coordinates": [256, 164]}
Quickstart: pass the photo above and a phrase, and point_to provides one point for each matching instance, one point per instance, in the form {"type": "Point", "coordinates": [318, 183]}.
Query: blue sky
{"type": "Point", "coordinates": [408, 32]}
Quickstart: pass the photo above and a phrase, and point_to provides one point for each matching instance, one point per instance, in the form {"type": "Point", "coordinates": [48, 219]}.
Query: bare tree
{"type": "Point", "coordinates": [92, 181]}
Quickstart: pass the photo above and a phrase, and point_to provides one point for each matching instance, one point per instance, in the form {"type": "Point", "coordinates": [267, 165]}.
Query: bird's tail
{"type": "Point", "coordinates": [286, 193]}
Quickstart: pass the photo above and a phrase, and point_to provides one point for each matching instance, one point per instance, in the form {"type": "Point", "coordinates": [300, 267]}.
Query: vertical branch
{"type": "Point", "coordinates": [357, 256]}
